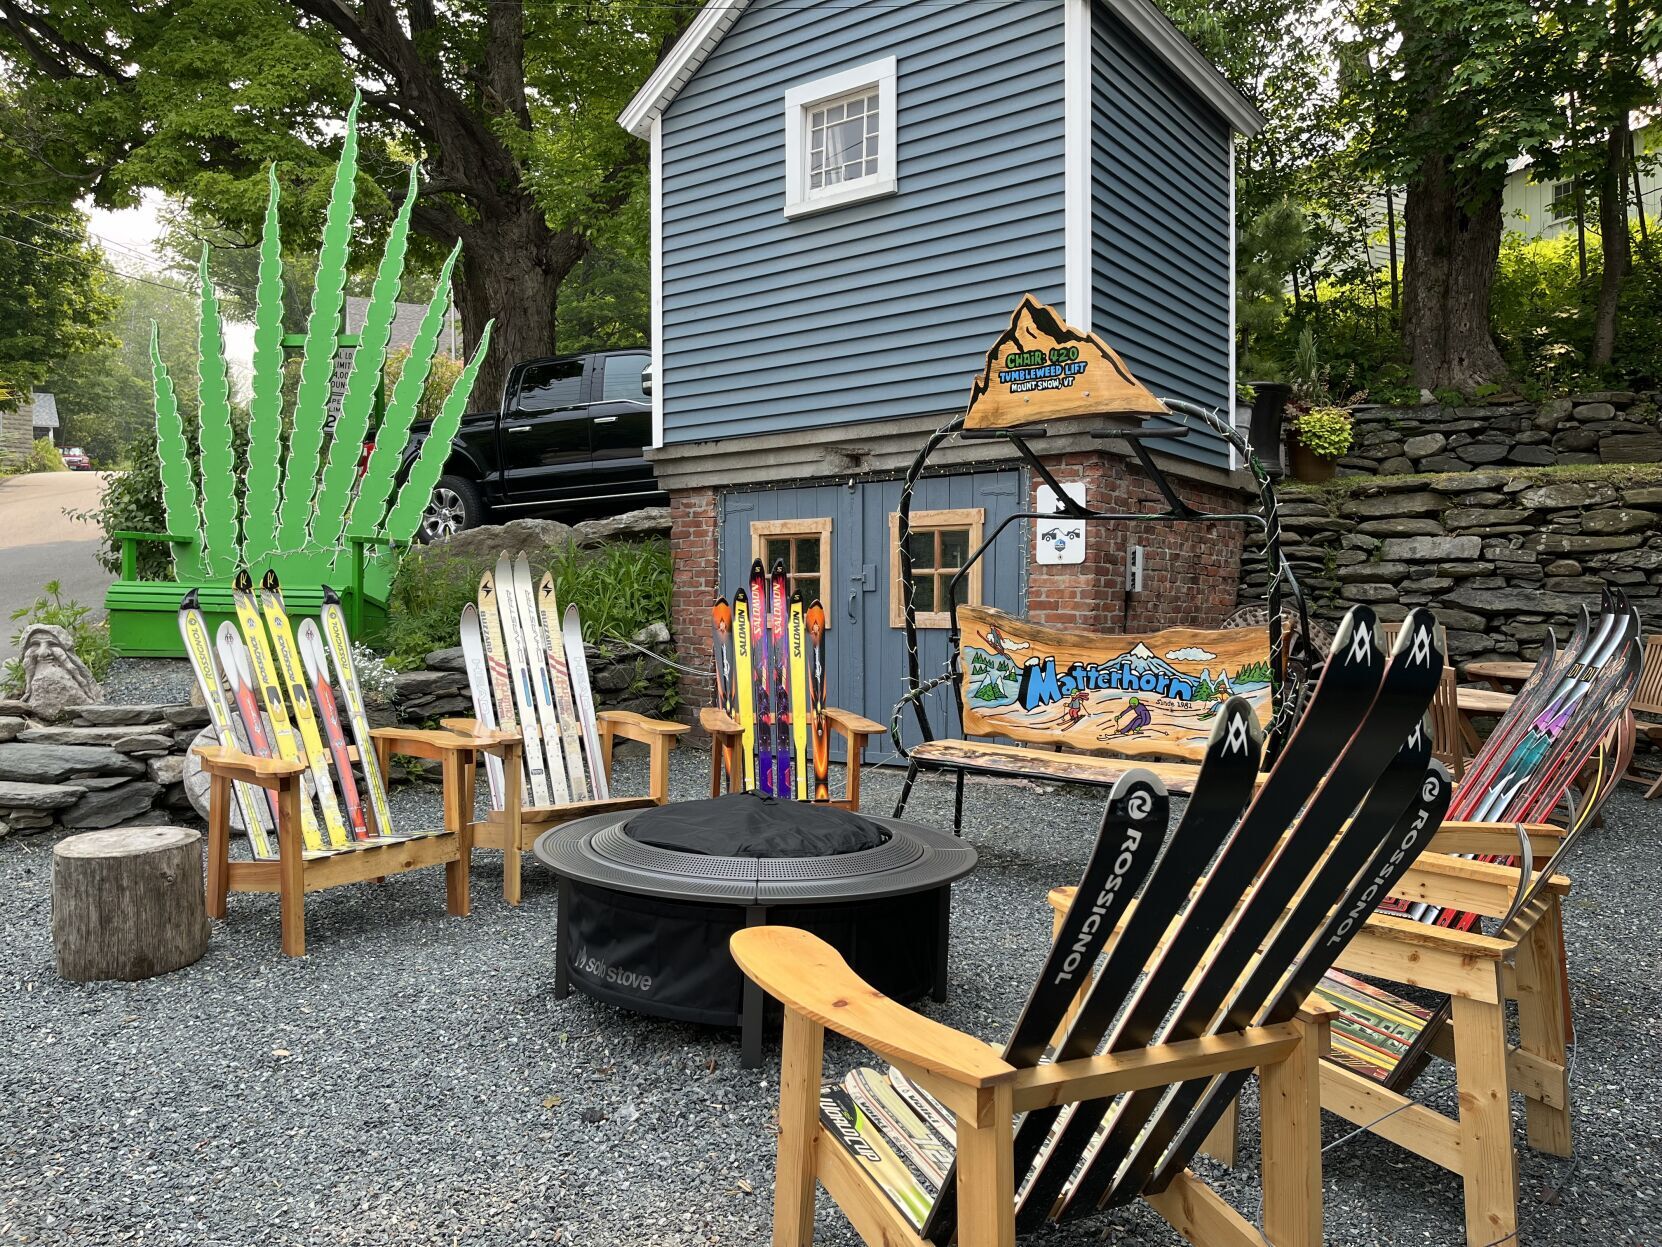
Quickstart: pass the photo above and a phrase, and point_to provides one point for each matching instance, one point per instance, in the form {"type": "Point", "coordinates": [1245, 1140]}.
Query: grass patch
{"type": "Point", "coordinates": [90, 637]}
{"type": "Point", "coordinates": [617, 589]}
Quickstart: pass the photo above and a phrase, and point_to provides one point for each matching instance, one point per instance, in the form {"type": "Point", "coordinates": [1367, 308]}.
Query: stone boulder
{"type": "Point", "coordinates": [488, 541]}
{"type": "Point", "coordinates": [632, 526]}
{"type": "Point", "coordinates": [51, 764]}
{"type": "Point", "coordinates": [55, 681]}
{"type": "Point", "coordinates": [112, 806]}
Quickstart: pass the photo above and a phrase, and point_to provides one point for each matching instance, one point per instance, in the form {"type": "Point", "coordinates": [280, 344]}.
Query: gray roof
{"type": "Point", "coordinates": [45, 410]}
{"type": "Point", "coordinates": [406, 323]}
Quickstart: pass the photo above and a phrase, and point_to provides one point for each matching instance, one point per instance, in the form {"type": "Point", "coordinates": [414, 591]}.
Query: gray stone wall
{"type": "Point", "coordinates": [104, 767]}
{"type": "Point", "coordinates": [1501, 555]}
{"type": "Point", "coordinates": [1612, 427]}
{"type": "Point", "coordinates": [17, 435]}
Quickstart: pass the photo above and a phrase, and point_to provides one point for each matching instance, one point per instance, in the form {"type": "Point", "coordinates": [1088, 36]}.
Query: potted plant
{"type": "Point", "coordinates": [1317, 438]}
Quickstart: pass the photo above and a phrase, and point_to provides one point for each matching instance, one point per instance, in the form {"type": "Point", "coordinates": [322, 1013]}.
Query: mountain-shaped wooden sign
{"type": "Point", "coordinates": [1041, 368]}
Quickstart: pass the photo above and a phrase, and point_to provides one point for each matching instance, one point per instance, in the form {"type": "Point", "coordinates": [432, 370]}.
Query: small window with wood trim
{"type": "Point", "coordinates": [804, 546]}
{"type": "Point", "coordinates": [940, 543]}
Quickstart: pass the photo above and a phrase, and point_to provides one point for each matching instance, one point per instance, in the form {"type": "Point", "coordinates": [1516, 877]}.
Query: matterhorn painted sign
{"type": "Point", "coordinates": [1154, 694]}
{"type": "Point", "coordinates": [1041, 368]}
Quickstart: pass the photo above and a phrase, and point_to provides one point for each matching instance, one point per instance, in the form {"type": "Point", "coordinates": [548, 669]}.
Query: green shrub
{"type": "Point", "coordinates": [618, 590]}
{"type": "Point", "coordinates": [132, 502]}
{"type": "Point", "coordinates": [45, 457]}
{"type": "Point", "coordinates": [91, 637]}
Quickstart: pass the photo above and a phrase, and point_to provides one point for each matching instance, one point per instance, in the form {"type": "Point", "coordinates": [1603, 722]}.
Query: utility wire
{"type": "Point", "coordinates": [113, 272]}
{"type": "Point", "coordinates": [127, 252]}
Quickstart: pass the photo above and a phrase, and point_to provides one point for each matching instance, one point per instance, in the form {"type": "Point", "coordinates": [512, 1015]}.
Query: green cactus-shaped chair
{"type": "Point", "coordinates": [302, 509]}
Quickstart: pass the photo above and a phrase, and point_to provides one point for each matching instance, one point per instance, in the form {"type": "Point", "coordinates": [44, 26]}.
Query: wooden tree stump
{"type": "Point", "coordinates": [127, 903]}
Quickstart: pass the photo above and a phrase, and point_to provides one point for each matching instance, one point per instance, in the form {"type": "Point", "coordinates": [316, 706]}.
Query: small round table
{"type": "Point", "coordinates": [1504, 676]}
{"type": "Point", "coordinates": [646, 927]}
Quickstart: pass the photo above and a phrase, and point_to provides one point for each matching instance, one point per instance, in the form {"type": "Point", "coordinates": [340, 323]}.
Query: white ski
{"type": "Point", "coordinates": [525, 697]}
{"type": "Point", "coordinates": [309, 640]}
{"type": "Point", "coordinates": [536, 662]}
{"type": "Point", "coordinates": [578, 663]}
{"type": "Point", "coordinates": [484, 700]}
{"type": "Point", "coordinates": [496, 666]}
{"type": "Point", "coordinates": [194, 629]}
{"type": "Point", "coordinates": [571, 731]}
{"type": "Point", "coordinates": [340, 650]}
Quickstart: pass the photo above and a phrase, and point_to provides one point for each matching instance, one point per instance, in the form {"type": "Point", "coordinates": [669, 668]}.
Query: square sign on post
{"type": "Point", "coordinates": [1060, 541]}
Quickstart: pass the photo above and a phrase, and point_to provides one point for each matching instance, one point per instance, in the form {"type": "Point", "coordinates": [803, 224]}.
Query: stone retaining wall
{"type": "Point", "coordinates": [1500, 555]}
{"type": "Point", "coordinates": [105, 766]}
{"type": "Point", "coordinates": [1613, 427]}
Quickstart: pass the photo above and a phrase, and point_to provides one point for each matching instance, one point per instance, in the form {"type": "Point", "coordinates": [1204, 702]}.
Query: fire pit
{"type": "Point", "coordinates": [649, 898]}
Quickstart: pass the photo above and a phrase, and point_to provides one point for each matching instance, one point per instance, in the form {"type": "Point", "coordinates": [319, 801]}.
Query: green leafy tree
{"type": "Point", "coordinates": [510, 109]}
{"type": "Point", "coordinates": [54, 299]}
{"type": "Point", "coordinates": [1268, 248]}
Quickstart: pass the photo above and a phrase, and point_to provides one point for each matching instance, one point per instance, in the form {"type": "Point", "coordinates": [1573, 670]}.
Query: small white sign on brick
{"type": "Point", "coordinates": [1060, 541]}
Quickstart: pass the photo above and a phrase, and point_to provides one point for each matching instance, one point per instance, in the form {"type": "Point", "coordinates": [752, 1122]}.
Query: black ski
{"type": "Point", "coordinates": [1222, 790]}
{"type": "Point", "coordinates": [1348, 684]}
{"type": "Point", "coordinates": [1394, 794]}
{"type": "Point", "coordinates": [1132, 831]}
{"type": "Point", "coordinates": [1408, 838]}
{"type": "Point", "coordinates": [1404, 696]}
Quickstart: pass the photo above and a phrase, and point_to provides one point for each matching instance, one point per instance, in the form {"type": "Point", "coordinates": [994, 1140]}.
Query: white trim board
{"type": "Point", "coordinates": [878, 75]}
{"type": "Point", "coordinates": [1078, 238]}
{"type": "Point", "coordinates": [716, 18]}
{"type": "Point", "coordinates": [657, 279]}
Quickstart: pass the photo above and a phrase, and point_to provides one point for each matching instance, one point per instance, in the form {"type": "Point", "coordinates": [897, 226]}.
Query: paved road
{"type": "Point", "coordinates": [38, 542]}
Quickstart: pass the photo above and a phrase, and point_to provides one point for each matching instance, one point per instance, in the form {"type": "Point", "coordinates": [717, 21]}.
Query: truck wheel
{"type": "Point", "coordinates": [455, 505]}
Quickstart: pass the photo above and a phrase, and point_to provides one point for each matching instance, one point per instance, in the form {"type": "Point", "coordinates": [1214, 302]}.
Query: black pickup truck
{"type": "Point", "coordinates": [568, 441]}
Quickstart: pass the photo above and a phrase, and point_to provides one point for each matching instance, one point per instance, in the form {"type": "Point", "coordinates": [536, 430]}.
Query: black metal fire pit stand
{"type": "Point", "coordinates": [916, 865]}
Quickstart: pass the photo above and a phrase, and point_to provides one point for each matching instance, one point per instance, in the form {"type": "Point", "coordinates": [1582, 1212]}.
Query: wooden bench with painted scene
{"type": "Point", "coordinates": [1081, 707]}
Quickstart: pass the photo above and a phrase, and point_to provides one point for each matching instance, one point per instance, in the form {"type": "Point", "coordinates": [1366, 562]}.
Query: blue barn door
{"type": "Point", "coordinates": [865, 652]}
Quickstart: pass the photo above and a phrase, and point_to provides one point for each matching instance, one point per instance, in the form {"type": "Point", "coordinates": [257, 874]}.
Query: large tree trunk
{"type": "Point", "coordinates": [1614, 240]}
{"type": "Point", "coordinates": [511, 268]}
{"type": "Point", "coordinates": [1453, 245]}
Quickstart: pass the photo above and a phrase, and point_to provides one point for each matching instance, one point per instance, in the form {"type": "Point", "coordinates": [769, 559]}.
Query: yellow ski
{"type": "Point", "coordinates": [195, 632]}
{"type": "Point", "coordinates": [797, 640]}
{"type": "Point", "coordinates": [271, 696]}
{"type": "Point", "coordinates": [300, 701]}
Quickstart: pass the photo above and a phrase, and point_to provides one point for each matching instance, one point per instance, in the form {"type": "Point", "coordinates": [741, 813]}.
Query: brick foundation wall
{"type": "Point", "coordinates": [694, 543]}
{"type": "Point", "coordinates": [1190, 571]}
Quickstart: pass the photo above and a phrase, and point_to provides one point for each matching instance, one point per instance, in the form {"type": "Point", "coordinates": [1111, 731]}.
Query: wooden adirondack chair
{"type": "Point", "coordinates": [975, 1093]}
{"type": "Point", "coordinates": [1647, 709]}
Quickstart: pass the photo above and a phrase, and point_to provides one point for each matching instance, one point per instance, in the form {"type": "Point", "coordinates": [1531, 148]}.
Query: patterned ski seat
{"type": "Point", "coordinates": [884, 1120]}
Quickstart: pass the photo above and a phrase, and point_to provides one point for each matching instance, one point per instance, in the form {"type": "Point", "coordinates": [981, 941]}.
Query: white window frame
{"type": "Point", "coordinates": [876, 76]}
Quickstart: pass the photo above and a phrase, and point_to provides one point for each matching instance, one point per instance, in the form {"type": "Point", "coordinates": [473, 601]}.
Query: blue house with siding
{"type": "Point", "coordinates": [848, 200]}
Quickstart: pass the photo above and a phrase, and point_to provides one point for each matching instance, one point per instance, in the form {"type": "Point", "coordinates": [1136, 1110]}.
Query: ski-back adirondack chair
{"type": "Point", "coordinates": [299, 775]}
{"type": "Point", "coordinates": [514, 822]}
{"type": "Point", "coordinates": [1227, 950]}
{"type": "Point", "coordinates": [1382, 1040]}
{"type": "Point", "coordinates": [309, 514]}
{"type": "Point", "coordinates": [1061, 739]}
{"type": "Point", "coordinates": [734, 724]}
{"type": "Point", "coordinates": [1647, 710]}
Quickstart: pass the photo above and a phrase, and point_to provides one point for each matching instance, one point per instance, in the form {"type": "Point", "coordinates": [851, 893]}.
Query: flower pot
{"type": "Point", "coordinates": [1307, 465]}
{"type": "Point", "coordinates": [1269, 405]}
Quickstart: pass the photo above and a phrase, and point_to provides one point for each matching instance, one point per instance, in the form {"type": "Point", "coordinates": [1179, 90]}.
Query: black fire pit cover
{"type": "Point", "coordinates": [748, 824]}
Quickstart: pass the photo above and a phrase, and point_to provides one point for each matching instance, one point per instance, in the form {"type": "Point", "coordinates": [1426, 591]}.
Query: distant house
{"type": "Point", "coordinates": [43, 416]}
{"type": "Point", "coordinates": [847, 205]}
{"type": "Point", "coordinates": [1547, 208]}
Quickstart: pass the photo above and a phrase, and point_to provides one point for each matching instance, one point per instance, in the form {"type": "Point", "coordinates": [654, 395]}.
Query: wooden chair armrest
{"type": "Point", "coordinates": [1419, 935]}
{"type": "Point", "coordinates": [1464, 869]}
{"type": "Point", "coordinates": [849, 723]}
{"type": "Point", "coordinates": [809, 977]}
{"type": "Point", "coordinates": [1500, 839]}
{"type": "Point", "coordinates": [438, 744]}
{"type": "Point", "coordinates": [632, 726]}
{"type": "Point", "coordinates": [234, 764]}
{"type": "Point", "coordinates": [464, 727]}
{"type": "Point", "coordinates": [717, 722]}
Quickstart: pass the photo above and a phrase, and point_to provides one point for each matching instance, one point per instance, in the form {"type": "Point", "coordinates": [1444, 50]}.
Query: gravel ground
{"type": "Point", "coordinates": [413, 1080]}
{"type": "Point", "coordinates": [148, 681]}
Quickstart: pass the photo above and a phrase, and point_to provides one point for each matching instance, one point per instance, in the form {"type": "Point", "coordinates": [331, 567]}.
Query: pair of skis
{"type": "Point", "coordinates": [526, 666]}
{"type": "Point", "coordinates": [280, 679]}
{"type": "Point", "coordinates": [769, 652]}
